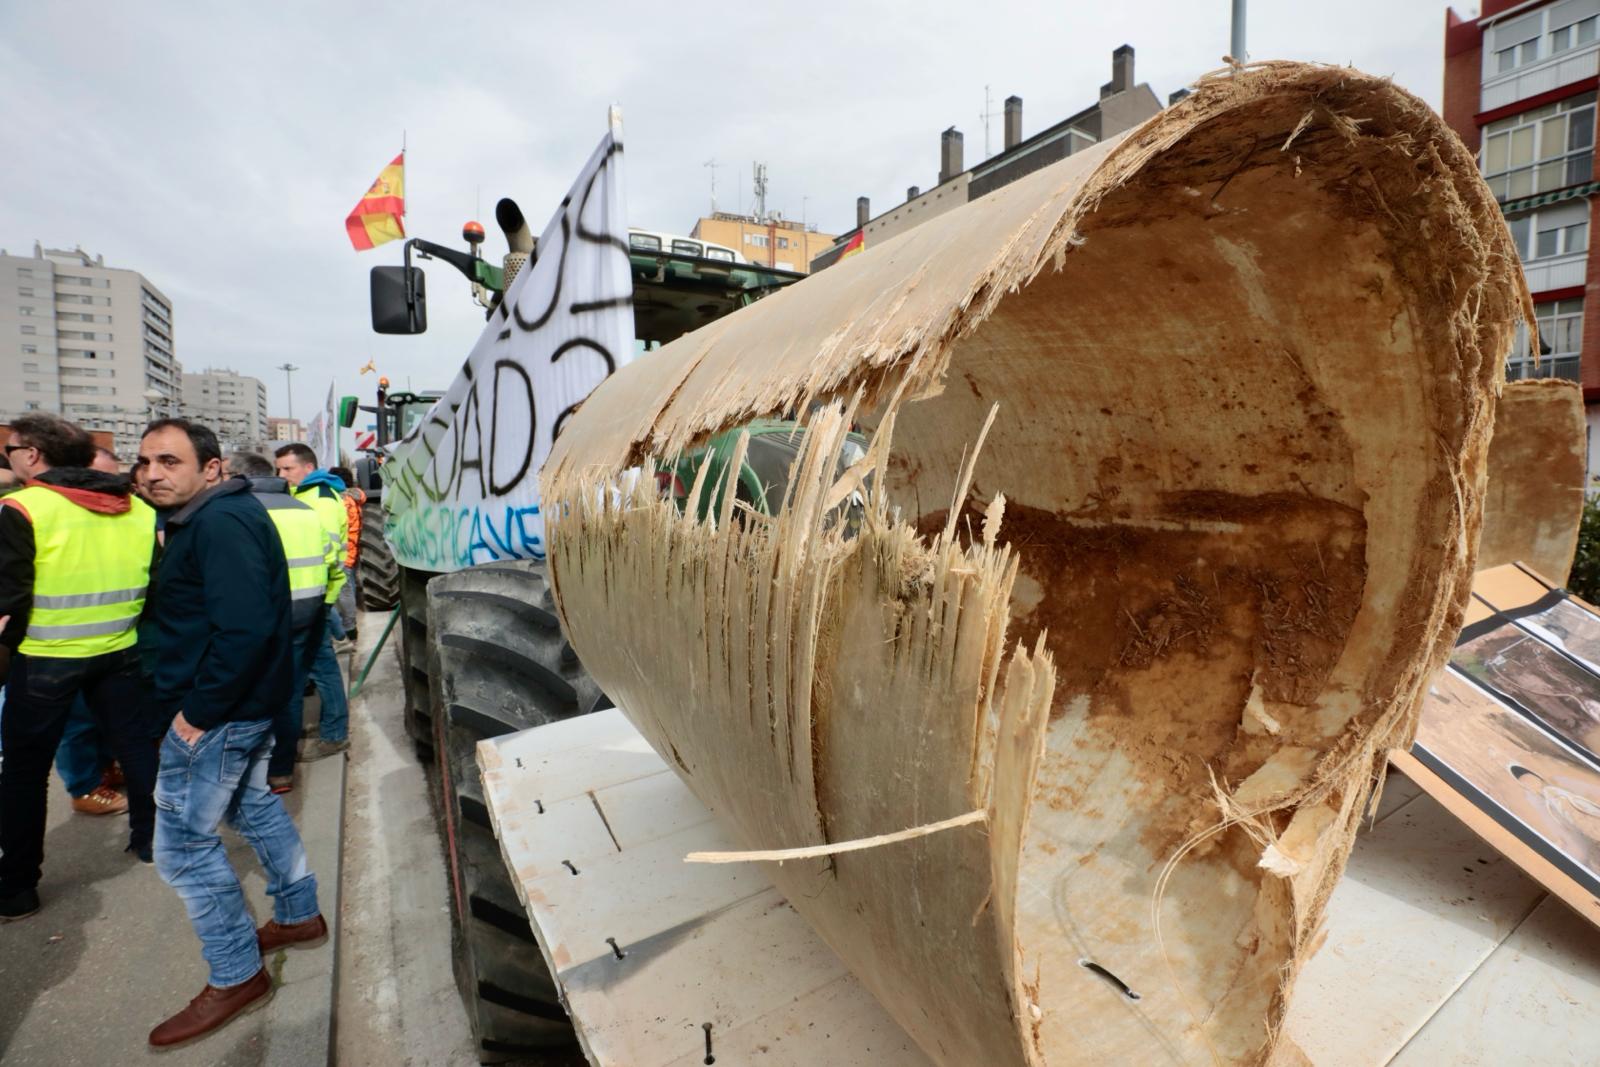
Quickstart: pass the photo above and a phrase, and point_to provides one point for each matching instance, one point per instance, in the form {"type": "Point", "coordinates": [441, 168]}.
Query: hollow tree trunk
{"type": "Point", "coordinates": [1161, 629]}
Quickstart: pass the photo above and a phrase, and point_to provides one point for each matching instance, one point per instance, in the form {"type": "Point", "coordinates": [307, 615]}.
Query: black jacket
{"type": "Point", "coordinates": [95, 490]}
{"type": "Point", "coordinates": [223, 614]}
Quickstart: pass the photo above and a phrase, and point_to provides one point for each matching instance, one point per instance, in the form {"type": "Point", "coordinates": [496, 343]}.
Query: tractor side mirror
{"type": "Point", "coordinates": [399, 300]}
{"type": "Point", "coordinates": [347, 411]}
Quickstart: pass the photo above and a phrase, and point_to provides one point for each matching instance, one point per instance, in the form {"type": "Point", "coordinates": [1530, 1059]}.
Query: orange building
{"type": "Point", "coordinates": [776, 242]}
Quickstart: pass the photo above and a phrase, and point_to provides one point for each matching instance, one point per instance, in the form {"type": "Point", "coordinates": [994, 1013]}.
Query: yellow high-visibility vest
{"type": "Point", "coordinates": [312, 553]}
{"type": "Point", "coordinates": [329, 507]}
{"type": "Point", "coordinates": [90, 575]}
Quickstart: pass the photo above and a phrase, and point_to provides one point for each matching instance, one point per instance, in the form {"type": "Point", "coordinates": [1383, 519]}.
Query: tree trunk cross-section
{"type": "Point", "coordinates": [1177, 461]}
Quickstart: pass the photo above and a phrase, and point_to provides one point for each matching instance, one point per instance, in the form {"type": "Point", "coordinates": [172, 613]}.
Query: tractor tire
{"type": "Point", "coordinates": [412, 645]}
{"type": "Point", "coordinates": [498, 664]}
{"type": "Point", "coordinates": [377, 574]}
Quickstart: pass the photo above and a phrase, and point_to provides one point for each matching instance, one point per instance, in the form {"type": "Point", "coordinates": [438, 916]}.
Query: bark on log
{"type": "Point", "coordinates": [1537, 468]}
{"type": "Point", "coordinates": [1163, 625]}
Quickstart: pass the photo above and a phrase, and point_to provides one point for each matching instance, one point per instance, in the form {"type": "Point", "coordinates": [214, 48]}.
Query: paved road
{"type": "Point", "coordinates": [111, 953]}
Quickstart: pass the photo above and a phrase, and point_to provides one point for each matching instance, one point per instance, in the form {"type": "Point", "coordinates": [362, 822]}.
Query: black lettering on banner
{"type": "Point", "coordinates": [585, 234]}
{"type": "Point", "coordinates": [555, 293]}
{"type": "Point", "coordinates": [496, 487]}
{"type": "Point", "coordinates": [584, 342]}
{"type": "Point", "coordinates": [470, 419]}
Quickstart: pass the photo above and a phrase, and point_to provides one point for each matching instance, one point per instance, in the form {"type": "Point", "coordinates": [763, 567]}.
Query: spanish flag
{"type": "Point", "coordinates": [854, 245]}
{"type": "Point", "coordinates": [377, 218]}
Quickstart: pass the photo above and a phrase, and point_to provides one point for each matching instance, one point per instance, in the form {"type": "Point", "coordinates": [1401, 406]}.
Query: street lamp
{"type": "Point", "coordinates": [288, 384]}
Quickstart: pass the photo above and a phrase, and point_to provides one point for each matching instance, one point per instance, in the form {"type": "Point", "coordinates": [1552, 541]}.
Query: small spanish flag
{"type": "Point", "coordinates": [854, 245]}
{"type": "Point", "coordinates": [377, 218]}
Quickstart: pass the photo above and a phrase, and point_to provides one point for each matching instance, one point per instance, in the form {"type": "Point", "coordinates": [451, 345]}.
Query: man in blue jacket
{"type": "Point", "coordinates": [224, 668]}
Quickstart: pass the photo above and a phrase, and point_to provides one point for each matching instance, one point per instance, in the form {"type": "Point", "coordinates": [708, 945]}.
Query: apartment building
{"type": "Point", "coordinates": [234, 405]}
{"type": "Point", "coordinates": [285, 430]}
{"type": "Point", "coordinates": [1520, 82]}
{"type": "Point", "coordinates": [86, 341]}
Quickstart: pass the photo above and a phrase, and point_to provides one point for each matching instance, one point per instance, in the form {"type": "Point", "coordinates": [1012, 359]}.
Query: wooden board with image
{"type": "Point", "coordinates": [1510, 731]}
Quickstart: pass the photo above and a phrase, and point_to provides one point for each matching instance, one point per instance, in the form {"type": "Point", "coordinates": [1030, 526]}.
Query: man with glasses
{"type": "Point", "coordinates": [75, 555]}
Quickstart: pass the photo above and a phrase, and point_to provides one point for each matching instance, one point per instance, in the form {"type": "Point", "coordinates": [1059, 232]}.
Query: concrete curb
{"type": "Point", "coordinates": [299, 1021]}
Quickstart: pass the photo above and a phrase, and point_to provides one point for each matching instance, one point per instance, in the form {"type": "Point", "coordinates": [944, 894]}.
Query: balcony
{"type": "Point", "coordinates": [1556, 272]}
{"type": "Point", "coordinates": [1564, 68]}
{"type": "Point", "coordinates": [1518, 370]}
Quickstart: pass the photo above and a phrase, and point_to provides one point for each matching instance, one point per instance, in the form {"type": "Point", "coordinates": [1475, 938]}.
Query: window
{"type": "Point", "coordinates": [25, 310]}
{"type": "Point", "coordinates": [1540, 150]}
{"type": "Point", "coordinates": [30, 329]}
{"type": "Point", "coordinates": [29, 350]}
{"type": "Point", "coordinates": [24, 272]}
{"type": "Point", "coordinates": [30, 368]}
{"type": "Point", "coordinates": [757, 239]}
{"type": "Point", "coordinates": [1552, 231]}
{"type": "Point", "coordinates": [1560, 341]}
{"type": "Point", "coordinates": [1578, 33]}
{"type": "Point", "coordinates": [722, 254]}
{"type": "Point", "coordinates": [31, 387]}
{"type": "Point", "coordinates": [688, 248]}
{"type": "Point", "coordinates": [24, 292]}
{"type": "Point", "coordinates": [783, 242]}
{"type": "Point", "coordinates": [645, 242]}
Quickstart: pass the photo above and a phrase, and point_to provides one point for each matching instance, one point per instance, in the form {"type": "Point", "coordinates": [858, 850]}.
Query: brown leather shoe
{"type": "Point", "coordinates": [211, 1010]}
{"type": "Point", "coordinates": [100, 801]}
{"type": "Point", "coordinates": [276, 935]}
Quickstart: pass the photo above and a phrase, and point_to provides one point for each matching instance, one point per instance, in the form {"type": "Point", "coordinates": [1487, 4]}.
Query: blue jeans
{"type": "Point", "coordinates": [313, 660]}
{"type": "Point", "coordinates": [82, 756]}
{"type": "Point", "coordinates": [224, 776]}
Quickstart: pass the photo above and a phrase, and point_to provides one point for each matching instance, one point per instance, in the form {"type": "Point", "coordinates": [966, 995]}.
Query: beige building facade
{"type": "Point", "coordinates": [285, 430]}
{"type": "Point", "coordinates": [233, 405]}
{"type": "Point", "coordinates": [86, 341]}
{"type": "Point", "coordinates": [776, 242]}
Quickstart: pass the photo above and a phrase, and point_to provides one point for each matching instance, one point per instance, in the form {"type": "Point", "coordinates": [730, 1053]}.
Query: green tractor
{"type": "Point", "coordinates": [394, 415]}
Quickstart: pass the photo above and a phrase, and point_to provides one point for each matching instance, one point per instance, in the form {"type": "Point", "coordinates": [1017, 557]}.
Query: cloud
{"type": "Point", "coordinates": [218, 148]}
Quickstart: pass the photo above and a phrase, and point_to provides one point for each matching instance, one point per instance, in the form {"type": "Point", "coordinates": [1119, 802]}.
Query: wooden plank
{"type": "Point", "coordinates": [584, 754]}
{"type": "Point", "coordinates": [649, 808]}
{"type": "Point", "coordinates": [837, 1024]}
{"type": "Point", "coordinates": [1534, 1001]}
{"type": "Point", "coordinates": [753, 970]}
{"type": "Point", "coordinates": [1508, 588]}
{"type": "Point", "coordinates": [1423, 903]}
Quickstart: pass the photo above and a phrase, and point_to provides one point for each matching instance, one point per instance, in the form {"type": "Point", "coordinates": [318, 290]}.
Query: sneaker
{"type": "Point", "coordinates": [100, 801]}
{"type": "Point", "coordinates": [211, 1010]}
{"type": "Point", "coordinates": [141, 852]}
{"type": "Point", "coordinates": [18, 905]}
{"type": "Point", "coordinates": [275, 935]}
{"type": "Point", "coordinates": [278, 785]}
{"type": "Point", "coordinates": [312, 751]}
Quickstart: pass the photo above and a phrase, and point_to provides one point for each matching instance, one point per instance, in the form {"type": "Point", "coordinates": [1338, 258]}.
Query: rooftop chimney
{"type": "Point", "coordinates": [912, 193]}
{"type": "Point", "coordinates": [1176, 95]}
{"type": "Point", "coordinates": [1013, 121]}
{"type": "Point", "coordinates": [949, 154]}
{"type": "Point", "coordinates": [863, 211]}
{"type": "Point", "coordinates": [1121, 72]}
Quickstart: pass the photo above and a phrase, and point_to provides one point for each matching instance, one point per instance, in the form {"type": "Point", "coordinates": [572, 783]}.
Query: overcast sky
{"type": "Point", "coordinates": [217, 148]}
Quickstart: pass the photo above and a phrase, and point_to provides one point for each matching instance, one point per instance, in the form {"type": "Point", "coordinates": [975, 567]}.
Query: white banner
{"type": "Point", "coordinates": [463, 487]}
{"type": "Point", "coordinates": [322, 436]}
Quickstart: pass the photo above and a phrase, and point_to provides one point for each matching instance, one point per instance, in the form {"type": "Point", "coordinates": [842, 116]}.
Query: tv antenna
{"type": "Point", "coordinates": [712, 165]}
{"type": "Point", "coordinates": [986, 115]}
{"type": "Point", "coordinates": [761, 190]}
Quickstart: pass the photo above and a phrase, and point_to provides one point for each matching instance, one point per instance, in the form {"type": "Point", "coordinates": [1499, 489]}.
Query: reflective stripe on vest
{"type": "Point", "coordinates": [305, 545]}
{"type": "Point", "coordinates": [90, 574]}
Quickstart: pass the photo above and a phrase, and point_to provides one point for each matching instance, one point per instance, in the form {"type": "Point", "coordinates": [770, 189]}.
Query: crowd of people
{"type": "Point", "coordinates": [158, 632]}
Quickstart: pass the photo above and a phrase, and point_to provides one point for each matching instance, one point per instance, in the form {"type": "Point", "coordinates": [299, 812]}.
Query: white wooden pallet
{"type": "Point", "coordinates": [1439, 950]}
